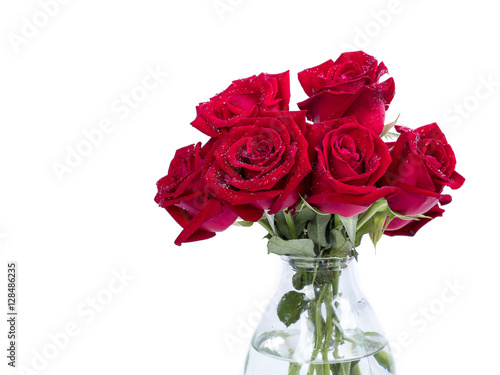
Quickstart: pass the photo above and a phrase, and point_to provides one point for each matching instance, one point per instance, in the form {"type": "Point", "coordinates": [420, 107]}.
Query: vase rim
{"type": "Point", "coordinates": [343, 260]}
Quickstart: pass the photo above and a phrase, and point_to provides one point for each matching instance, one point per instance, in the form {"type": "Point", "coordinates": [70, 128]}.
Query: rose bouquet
{"type": "Point", "coordinates": [317, 179]}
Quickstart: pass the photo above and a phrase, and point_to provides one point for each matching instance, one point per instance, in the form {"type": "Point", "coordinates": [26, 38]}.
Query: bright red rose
{"type": "Point", "coordinates": [423, 163]}
{"type": "Point", "coordinates": [411, 227]}
{"type": "Point", "coordinates": [182, 194]}
{"type": "Point", "coordinates": [348, 86]}
{"type": "Point", "coordinates": [242, 99]}
{"type": "Point", "coordinates": [260, 164]}
{"type": "Point", "coordinates": [350, 160]}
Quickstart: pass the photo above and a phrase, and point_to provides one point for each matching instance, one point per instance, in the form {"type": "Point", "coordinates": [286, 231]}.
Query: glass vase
{"type": "Point", "coordinates": [318, 322]}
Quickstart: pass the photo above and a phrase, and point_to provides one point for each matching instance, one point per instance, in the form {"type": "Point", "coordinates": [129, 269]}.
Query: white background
{"type": "Point", "coordinates": [70, 237]}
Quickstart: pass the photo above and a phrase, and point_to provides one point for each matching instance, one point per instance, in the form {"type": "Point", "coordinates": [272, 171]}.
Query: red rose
{"type": "Point", "coordinates": [260, 164]}
{"type": "Point", "coordinates": [242, 99]}
{"type": "Point", "coordinates": [350, 160]}
{"type": "Point", "coordinates": [423, 163]}
{"type": "Point", "coordinates": [411, 227]}
{"type": "Point", "coordinates": [182, 194]}
{"type": "Point", "coordinates": [348, 86]}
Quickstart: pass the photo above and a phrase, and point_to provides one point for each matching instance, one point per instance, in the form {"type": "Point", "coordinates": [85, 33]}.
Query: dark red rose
{"type": "Point", "coordinates": [399, 227]}
{"type": "Point", "coordinates": [348, 86]}
{"type": "Point", "coordinates": [183, 195]}
{"type": "Point", "coordinates": [242, 99]}
{"type": "Point", "coordinates": [423, 163]}
{"type": "Point", "coordinates": [350, 160]}
{"type": "Point", "coordinates": [260, 164]}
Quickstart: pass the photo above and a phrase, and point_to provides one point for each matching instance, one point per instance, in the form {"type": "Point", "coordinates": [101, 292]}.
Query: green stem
{"type": "Point", "coordinates": [329, 324]}
{"type": "Point", "coordinates": [294, 368]}
{"type": "Point", "coordinates": [326, 328]}
{"type": "Point", "coordinates": [339, 337]}
{"type": "Point", "coordinates": [326, 368]}
{"type": "Point", "coordinates": [317, 328]}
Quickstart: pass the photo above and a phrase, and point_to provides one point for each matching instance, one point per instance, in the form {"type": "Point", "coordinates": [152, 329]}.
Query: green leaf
{"type": "Point", "coordinates": [384, 360]}
{"type": "Point", "coordinates": [389, 126]}
{"type": "Point", "coordinates": [316, 230]}
{"type": "Point", "coordinates": [340, 245]}
{"type": "Point", "coordinates": [338, 239]}
{"type": "Point", "coordinates": [350, 226]}
{"type": "Point", "coordinates": [243, 223]}
{"type": "Point", "coordinates": [302, 278]}
{"type": "Point", "coordinates": [291, 306]}
{"type": "Point", "coordinates": [345, 249]}
{"type": "Point", "coordinates": [303, 247]}
{"type": "Point", "coordinates": [301, 219]}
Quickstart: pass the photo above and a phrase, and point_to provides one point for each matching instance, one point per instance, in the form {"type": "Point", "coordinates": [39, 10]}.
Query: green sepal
{"type": "Point", "coordinates": [314, 209]}
{"type": "Point", "coordinates": [388, 127]}
{"type": "Point", "coordinates": [243, 223]}
{"type": "Point", "coordinates": [380, 222]}
{"type": "Point", "coordinates": [281, 225]}
{"type": "Point", "coordinates": [365, 228]}
{"type": "Point", "coordinates": [270, 220]}
{"type": "Point", "coordinates": [267, 226]}
{"type": "Point", "coordinates": [377, 206]}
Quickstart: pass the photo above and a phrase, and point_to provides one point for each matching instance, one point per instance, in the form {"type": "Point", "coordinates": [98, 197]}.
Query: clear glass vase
{"type": "Point", "coordinates": [318, 322]}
